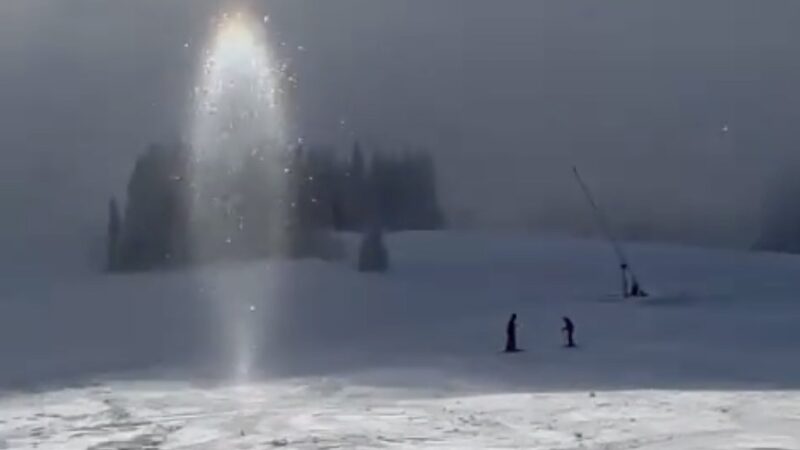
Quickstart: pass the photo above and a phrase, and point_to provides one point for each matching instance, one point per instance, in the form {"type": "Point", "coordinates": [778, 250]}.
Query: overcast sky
{"type": "Point", "coordinates": [508, 94]}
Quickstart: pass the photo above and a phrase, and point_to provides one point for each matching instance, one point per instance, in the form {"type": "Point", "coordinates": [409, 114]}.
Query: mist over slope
{"type": "Point", "coordinates": [511, 95]}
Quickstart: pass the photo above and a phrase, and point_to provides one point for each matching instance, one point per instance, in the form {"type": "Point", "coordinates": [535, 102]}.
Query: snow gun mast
{"type": "Point", "coordinates": [630, 284]}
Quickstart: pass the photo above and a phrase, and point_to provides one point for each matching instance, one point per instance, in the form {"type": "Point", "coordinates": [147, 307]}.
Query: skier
{"type": "Point", "coordinates": [511, 335]}
{"type": "Point", "coordinates": [569, 329]}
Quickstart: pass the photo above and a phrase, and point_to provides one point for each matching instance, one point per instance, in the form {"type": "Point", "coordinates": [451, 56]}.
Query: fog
{"type": "Point", "coordinates": [678, 113]}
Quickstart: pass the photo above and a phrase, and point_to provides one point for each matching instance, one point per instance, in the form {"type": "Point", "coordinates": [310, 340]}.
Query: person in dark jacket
{"type": "Point", "coordinates": [511, 335]}
{"type": "Point", "coordinates": [569, 331]}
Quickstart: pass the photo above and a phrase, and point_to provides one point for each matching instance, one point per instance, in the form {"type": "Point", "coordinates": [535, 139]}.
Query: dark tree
{"type": "Point", "coordinates": [156, 215]}
{"type": "Point", "coordinates": [373, 255]}
{"type": "Point", "coordinates": [114, 229]}
{"type": "Point", "coordinates": [780, 221]}
{"type": "Point", "coordinates": [309, 212]}
{"type": "Point", "coordinates": [403, 191]}
{"type": "Point", "coordinates": [355, 192]}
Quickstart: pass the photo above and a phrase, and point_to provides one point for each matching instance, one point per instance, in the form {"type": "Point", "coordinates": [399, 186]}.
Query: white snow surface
{"type": "Point", "coordinates": [310, 354]}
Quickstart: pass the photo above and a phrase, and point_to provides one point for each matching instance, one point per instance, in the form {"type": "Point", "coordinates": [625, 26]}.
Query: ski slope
{"type": "Point", "coordinates": [309, 354]}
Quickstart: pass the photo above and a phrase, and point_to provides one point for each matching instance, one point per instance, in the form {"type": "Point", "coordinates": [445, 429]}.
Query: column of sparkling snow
{"type": "Point", "coordinates": [235, 113]}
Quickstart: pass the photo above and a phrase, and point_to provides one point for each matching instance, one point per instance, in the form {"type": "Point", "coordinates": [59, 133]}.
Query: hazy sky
{"type": "Point", "coordinates": [509, 94]}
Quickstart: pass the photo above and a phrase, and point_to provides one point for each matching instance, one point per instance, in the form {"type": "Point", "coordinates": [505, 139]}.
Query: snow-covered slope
{"type": "Point", "coordinates": [409, 359]}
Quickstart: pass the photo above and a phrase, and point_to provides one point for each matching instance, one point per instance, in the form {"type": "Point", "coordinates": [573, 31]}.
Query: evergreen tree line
{"type": "Point", "coordinates": [321, 192]}
{"type": "Point", "coordinates": [780, 221]}
{"type": "Point", "coordinates": [153, 229]}
{"type": "Point", "coordinates": [395, 191]}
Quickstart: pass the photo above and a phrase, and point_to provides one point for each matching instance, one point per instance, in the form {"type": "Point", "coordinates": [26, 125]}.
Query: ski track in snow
{"type": "Point", "coordinates": [296, 415]}
{"type": "Point", "coordinates": [410, 359]}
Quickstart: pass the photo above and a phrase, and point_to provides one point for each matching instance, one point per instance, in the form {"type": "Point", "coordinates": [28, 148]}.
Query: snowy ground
{"type": "Point", "coordinates": [328, 414]}
{"type": "Point", "coordinates": [324, 357]}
